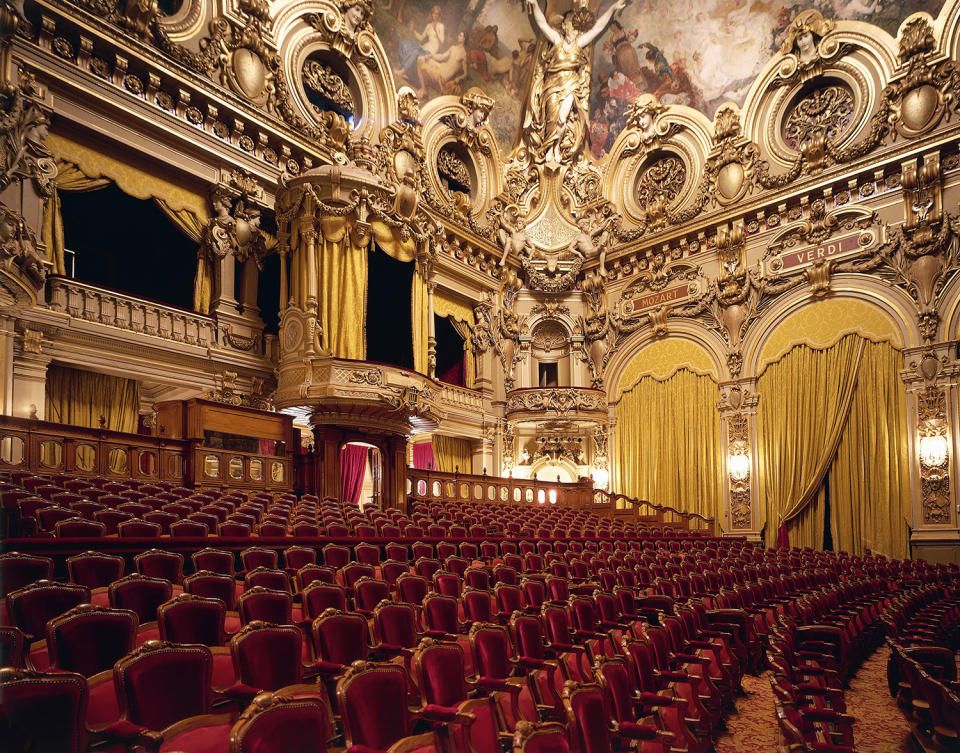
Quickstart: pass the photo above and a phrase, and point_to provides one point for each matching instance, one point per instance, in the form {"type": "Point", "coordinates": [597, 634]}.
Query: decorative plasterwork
{"type": "Point", "coordinates": [499, 327]}
{"type": "Point", "coordinates": [560, 401]}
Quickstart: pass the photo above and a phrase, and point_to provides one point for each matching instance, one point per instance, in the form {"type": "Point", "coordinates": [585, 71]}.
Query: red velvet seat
{"type": "Point", "coordinates": [79, 528]}
{"type": "Point", "coordinates": [188, 529]}
{"type": "Point", "coordinates": [368, 592]}
{"type": "Point", "coordinates": [112, 519]}
{"type": "Point", "coordinates": [158, 684]}
{"type": "Point", "coordinates": [140, 594]}
{"type": "Point", "coordinates": [94, 569]}
{"type": "Point", "coordinates": [391, 570]}
{"type": "Point", "coordinates": [372, 699]}
{"type": "Point", "coordinates": [31, 607]}
{"type": "Point", "coordinates": [336, 556]}
{"type": "Point", "coordinates": [259, 603]}
{"type": "Point", "coordinates": [188, 618]}
{"type": "Point", "coordinates": [265, 657]}
{"type": "Point", "coordinates": [495, 667]}
{"type": "Point", "coordinates": [42, 713]}
{"type": "Point", "coordinates": [311, 573]}
{"type": "Point", "coordinates": [277, 580]}
{"type": "Point", "coordinates": [89, 639]}
{"type": "Point", "coordinates": [339, 639]}
{"type": "Point", "coordinates": [214, 586]}
{"type": "Point", "coordinates": [296, 557]}
{"type": "Point", "coordinates": [12, 647]}
{"type": "Point", "coordinates": [367, 554]}
{"type": "Point", "coordinates": [155, 563]}
{"type": "Point", "coordinates": [283, 722]}
{"type": "Point", "coordinates": [319, 596]}
{"type": "Point", "coordinates": [213, 560]}
{"type": "Point", "coordinates": [255, 556]}
{"type": "Point", "coordinates": [412, 588]}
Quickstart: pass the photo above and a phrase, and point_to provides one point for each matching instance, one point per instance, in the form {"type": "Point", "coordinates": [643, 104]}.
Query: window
{"type": "Point", "coordinates": [548, 375]}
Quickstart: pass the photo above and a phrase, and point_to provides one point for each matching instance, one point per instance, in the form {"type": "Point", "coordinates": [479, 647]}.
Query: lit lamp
{"type": "Point", "coordinates": [738, 462]}
{"type": "Point", "coordinates": [934, 447]}
{"type": "Point", "coordinates": [600, 478]}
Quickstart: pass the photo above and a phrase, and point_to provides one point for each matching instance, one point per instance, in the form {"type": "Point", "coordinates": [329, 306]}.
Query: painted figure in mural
{"type": "Point", "coordinates": [556, 120]}
{"type": "Point", "coordinates": [426, 42]}
{"type": "Point", "coordinates": [443, 73]}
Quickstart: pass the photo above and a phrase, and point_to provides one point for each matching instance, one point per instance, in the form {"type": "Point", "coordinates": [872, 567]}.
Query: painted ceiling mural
{"type": "Point", "coordinates": [699, 53]}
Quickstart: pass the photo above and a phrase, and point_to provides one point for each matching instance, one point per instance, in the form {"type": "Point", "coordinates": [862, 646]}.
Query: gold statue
{"type": "Point", "coordinates": [557, 119]}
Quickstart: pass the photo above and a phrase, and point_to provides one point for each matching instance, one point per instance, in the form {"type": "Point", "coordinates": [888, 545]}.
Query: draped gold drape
{"type": "Point", "coordinates": [85, 168]}
{"type": "Point", "coordinates": [869, 480]}
{"type": "Point", "coordinates": [461, 317]}
{"type": "Point", "coordinates": [343, 296]}
{"type": "Point", "coordinates": [668, 443]}
{"type": "Point", "coordinates": [420, 313]}
{"type": "Point", "coordinates": [837, 413]}
{"type": "Point", "coordinates": [80, 398]}
{"type": "Point", "coordinates": [452, 453]}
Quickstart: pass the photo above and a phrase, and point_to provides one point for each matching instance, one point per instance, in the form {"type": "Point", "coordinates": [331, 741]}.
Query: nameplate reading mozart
{"type": "Point", "coordinates": [833, 249]}
{"type": "Point", "coordinates": [633, 305]}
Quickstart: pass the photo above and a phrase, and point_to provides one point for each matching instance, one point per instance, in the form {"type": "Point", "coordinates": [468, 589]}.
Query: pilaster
{"type": "Point", "coordinates": [29, 376]}
{"type": "Point", "coordinates": [738, 420]}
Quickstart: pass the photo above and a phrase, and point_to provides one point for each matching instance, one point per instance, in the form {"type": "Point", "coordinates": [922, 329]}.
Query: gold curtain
{"type": "Point", "coordinates": [461, 317]}
{"type": "Point", "coordinates": [343, 296]}
{"type": "Point", "coordinates": [85, 168]}
{"type": "Point", "coordinates": [420, 311]}
{"type": "Point", "coordinates": [869, 481]}
{"type": "Point", "coordinates": [668, 443]}
{"type": "Point", "coordinates": [79, 398]}
{"type": "Point", "coordinates": [805, 398]}
{"type": "Point", "coordinates": [69, 178]}
{"type": "Point", "coordinates": [451, 453]}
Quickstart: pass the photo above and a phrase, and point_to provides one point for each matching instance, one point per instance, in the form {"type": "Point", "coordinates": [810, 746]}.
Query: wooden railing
{"type": "Point", "coordinates": [439, 486]}
{"type": "Point", "coordinates": [44, 447]}
{"type": "Point", "coordinates": [649, 513]}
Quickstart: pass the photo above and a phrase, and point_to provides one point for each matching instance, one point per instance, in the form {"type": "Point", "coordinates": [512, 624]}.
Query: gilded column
{"type": "Point", "coordinates": [738, 419]}
{"type": "Point", "coordinates": [432, 333]}
{"type": "Point", "coordinates": [933, 414]}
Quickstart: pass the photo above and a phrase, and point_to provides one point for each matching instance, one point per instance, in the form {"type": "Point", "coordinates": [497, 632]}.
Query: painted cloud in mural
{"type": "Point", "coordinates": [699, 53]}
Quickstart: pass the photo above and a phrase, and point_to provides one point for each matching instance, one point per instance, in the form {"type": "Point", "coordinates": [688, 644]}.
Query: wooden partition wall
{"type": "Point", "coordinates": [45, 447]}
{"type": "Point", "coordinates": [436, 486]}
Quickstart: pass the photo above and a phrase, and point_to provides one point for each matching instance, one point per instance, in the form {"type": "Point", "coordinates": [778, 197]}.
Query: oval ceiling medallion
{"type": "Point", "coordinates": [250, 72]}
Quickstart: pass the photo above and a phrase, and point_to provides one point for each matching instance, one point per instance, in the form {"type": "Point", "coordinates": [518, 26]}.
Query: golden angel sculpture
{"type": "Point", "coordinates": [556, 123]}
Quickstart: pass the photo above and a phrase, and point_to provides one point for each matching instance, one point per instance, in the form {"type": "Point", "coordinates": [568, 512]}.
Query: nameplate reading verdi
{"type": "Point", "coordinates": [844, 246]}
{"type": "Point", "coordinates": [633, 305]}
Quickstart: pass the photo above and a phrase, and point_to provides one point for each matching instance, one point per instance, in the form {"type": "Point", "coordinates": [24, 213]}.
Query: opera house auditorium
{"type": "Point", "coordinates": [479, 376]}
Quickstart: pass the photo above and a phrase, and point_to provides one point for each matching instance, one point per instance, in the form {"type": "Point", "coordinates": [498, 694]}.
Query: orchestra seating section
{"type": "Point", "coordinates": [158, 618]}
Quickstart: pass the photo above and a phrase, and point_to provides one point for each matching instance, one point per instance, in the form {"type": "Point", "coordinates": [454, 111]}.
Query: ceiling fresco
{"type": "Point", "coordinates": [699, 53]}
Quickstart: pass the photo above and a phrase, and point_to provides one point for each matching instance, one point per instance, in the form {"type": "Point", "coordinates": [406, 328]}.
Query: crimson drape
{"type": "Point", "coordinates": [353, 466]}
{"type": "Point", "coordinates": [423, 456]}
{"type": "Point", "coordinates": [783, 537]}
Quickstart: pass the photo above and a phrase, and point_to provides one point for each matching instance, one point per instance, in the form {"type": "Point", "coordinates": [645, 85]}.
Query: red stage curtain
{"type": "Point", "coordinates": [783, 537]}
{"type": "Point", "coordinates": [423, 456]}
{"type": "Point", "coordinates": [353, 465]}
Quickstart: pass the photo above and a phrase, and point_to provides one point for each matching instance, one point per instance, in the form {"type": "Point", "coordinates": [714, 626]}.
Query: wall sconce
{"type": "Point", "coordinates": [934, 448]}
{"type": "Point", "coordinates": [738, 462]}
{"type": "Point", "coordinates": [600, 478]}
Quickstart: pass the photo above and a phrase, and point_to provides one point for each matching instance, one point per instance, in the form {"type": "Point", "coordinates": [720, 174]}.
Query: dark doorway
{"type": "Point", "coordinates": [128, 245]}
{"type": "Point", "coordinates": [389, 325]}
{"type": "Point", "coordinates": [450, 360]}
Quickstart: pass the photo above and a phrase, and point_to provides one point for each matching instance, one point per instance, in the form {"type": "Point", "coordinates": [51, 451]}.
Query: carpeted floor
{"type": "Point", "coordinates": [880, 726]}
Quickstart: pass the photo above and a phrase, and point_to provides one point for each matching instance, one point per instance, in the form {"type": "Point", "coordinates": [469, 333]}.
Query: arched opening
{"type": "Point", "coordinates": [361, 474]}
{"type": "Point", "coordinates": [450, 353]}
{"type": "Point", "coordinates": [138, 251]}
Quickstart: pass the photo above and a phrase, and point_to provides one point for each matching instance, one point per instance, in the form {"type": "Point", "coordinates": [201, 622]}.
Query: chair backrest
{"type": "Point", "coordinates": [490, 647]}
{"type": "Point", "coordinates": [18, 570]}
{"type": "Point", "coordinates": [213, 586]}
{"type": "Point", "coordinates": [336, 556]}
{"type": "Point", "coordinates": [547, 737]}
{"type": "Point", "coordinates": [12, 646]}
{"type": "Point", "coordinates": [188, 618]}
{"type": "Point", "coordinates": [295, 557]}
{"type": "Point", "coordinates": [267, 577]}
{"type": "Point", "coordinates": [78, 528]}
{"type": "Point", "coordinates": [255, 557]}
{"type": "Point", "coordinates": [160, 683]}
{"type": "Point", "coordinates": [43, 712]}
{"type": "Point", "coordinates": [94, 569]}
{"type": "Point", "coordinates": [89, 639]}
{"type": "Point", "coordinates": [586, 717]}
{"type": "Point", "coordinates": [368, 592]}
{"type": "Point", "coordinates": [32, 606]}
{"type": "Point", "coordinates": [188, 529]}
{"type": "Point", "coordinates": [412, 588]}
{"type": "Point", "coordinates": [259, 603]}
{"type": "Point", "coordinates": [320, 596]}
{"type": "Point", "coordinates": [266, 656]}
{"type": "Point", "coordinates": [282, 722]}
{"type": "Point", "coordinates": [372, 699]}
{"type": "Point", "coordinates": [440, 671]}
{"type": "Point", "coordinates": [213, 560]}
{"type": "Point", "coordinates": [141, 594]}
{"type": "Point", "coordinates": [396, 623]}
{"type": "Point", "coordinates": [155, 563]}
{"type": "Point", "coordinates": [340, 637]}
